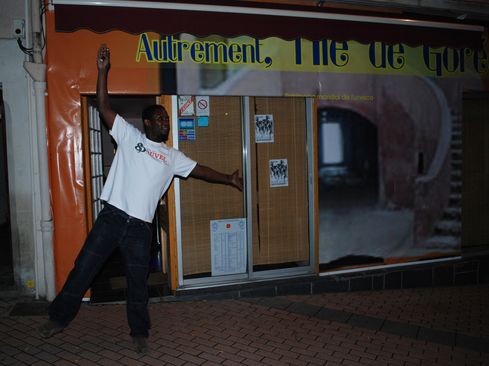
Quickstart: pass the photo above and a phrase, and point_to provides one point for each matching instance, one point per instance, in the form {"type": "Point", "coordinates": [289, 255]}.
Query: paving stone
{"type": "Point", "coordinates": [365, 322]}
{"type": "Point", "coordinates": [401, 329]}
{"type": "Point", "coordinates": [357, 328]}
{"type": "Point", "coordinates": [30, 308]}
{"type": "Point", "coordinates": [303, 308]}
{"type": "Point", "coordinates": [474, 343]}
{"type": "Point", "coordinates": [276, 302]}
{"type": "Point", "coordinates": [333, 315]}
{"type": "Point", "coordinates": [436, 336]}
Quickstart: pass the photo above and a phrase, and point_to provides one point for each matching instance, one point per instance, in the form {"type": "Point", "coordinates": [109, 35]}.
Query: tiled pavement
{"type": "Point", "coordinates": [432, 326]}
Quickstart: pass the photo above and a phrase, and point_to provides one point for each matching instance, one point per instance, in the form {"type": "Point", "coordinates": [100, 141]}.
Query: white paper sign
{"type": "Point", "coordinates": [263, 128]}
{"type": "Point", "coordinates": [228, 246]}
{"type": "Point", "coordinates": [186, 105]}
{"type": "Point", "coordinates": [279, 173]}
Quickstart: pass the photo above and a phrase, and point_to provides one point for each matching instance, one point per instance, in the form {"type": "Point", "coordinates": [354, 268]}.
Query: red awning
{"type": "Point", "coordinates": [286, 22]}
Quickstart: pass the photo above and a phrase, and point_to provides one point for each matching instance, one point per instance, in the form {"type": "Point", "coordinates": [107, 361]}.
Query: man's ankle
{"type": "Point", "coordinates": [140, 343]}
{"type": "Point", "coordinates": [50, 328]}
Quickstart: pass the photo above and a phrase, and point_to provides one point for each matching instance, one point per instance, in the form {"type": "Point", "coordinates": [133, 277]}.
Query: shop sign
{"type": "Point", "coordinates": [301, 55]}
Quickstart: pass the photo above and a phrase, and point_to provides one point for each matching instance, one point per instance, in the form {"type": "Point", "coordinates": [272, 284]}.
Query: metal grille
{"type": "Point", "coordinates": [96, 162]}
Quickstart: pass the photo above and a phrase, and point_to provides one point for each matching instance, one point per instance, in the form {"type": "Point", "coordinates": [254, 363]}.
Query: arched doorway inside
{"type": "Point", "coordinates": [348, 183]}
{"type": "Point", "coordinates": [348, 158]}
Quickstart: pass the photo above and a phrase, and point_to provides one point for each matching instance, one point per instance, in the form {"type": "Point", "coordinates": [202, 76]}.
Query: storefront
{"type": "Point", "coordinates": [345, 128]}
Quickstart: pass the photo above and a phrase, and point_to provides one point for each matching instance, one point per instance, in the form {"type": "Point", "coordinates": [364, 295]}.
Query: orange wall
{"type": "Point", "coordinates": [71, 72]}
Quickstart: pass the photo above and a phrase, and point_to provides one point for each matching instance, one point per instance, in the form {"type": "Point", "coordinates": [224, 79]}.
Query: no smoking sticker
{"type": "Point", "coordinates": [202, 106]}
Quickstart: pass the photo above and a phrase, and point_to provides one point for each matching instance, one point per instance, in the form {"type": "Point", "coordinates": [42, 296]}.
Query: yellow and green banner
{"type": "Point", "coordinates": [300, 55]}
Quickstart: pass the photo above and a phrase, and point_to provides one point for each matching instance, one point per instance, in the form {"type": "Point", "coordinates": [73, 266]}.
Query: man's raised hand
{"type": "Point", "coordinates": [103, 57]}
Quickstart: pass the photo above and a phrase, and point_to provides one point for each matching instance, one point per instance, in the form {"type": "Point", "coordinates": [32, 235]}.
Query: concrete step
{"type": "Point", "coordinates": [456, 187]}
{"type": "Point", "coordinates": [456, 153]}
{"type": "Point", "coordinates": [443, 242]}
{"type": "Point", "coordinates": [455, 199]}
{"type": "Point", "coordinates": [456, 163]}
{"type": "Point", "coordinates": [450, 227]}
{"type": "Point", "coordinates": [456, 116]}
{"type": "Point", "coordinates": [456, 139]}
{"type": "Point", "coordinates": [452, 213]}
{"type": "Point", "coordinates": [456, 144]}
{"type": "Point", "coordinates": [456, 175]}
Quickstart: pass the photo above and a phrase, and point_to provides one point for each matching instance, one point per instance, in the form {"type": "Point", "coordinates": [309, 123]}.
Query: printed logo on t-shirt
{"type": "Point", "coordinates": [140, 148]}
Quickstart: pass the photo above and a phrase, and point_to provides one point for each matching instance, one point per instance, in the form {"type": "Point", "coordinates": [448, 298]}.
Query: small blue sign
{"type": "Point", "coordinates": [203, 121]}
{"type": "Point", "coordinates": [186, 123]}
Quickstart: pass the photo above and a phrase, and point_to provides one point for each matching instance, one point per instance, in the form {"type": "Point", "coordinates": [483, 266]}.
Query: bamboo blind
{"type": "Point", "coordinates": [218, 146]}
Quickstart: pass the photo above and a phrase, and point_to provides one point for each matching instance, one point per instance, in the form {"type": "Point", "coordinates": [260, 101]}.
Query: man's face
{"type": "Point", "coordinates": [158, 128]}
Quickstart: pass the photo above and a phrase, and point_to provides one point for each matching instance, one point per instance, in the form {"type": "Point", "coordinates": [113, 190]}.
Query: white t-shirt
{"type": "Point", "coordinates": [141, 171]}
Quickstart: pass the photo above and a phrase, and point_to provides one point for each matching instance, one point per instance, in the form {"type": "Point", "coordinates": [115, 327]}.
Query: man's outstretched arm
{"type": "Point", "coordinates": [212, 176]}
{"type": "Point", "coordinates": [103, 65]}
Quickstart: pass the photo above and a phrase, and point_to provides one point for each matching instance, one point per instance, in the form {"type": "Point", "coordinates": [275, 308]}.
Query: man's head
{"type": "Point", "coordinates": [156, 123]}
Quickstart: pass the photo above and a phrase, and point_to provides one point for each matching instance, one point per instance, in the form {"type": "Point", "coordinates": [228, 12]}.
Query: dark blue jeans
{"type": "Point", "coordinates": [113, 228]}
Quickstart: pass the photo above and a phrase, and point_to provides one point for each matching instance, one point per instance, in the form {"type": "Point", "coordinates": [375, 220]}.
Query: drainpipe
{"type": "Point", "coordinates": [37, 71]}
{"type": "Point", "coordinates": [40, 287]}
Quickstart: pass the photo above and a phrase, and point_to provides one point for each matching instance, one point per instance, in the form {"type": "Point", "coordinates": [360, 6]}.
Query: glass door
{"type": "Point", "coordinates": [269, 140]}
{"type": "Point", "coordinates": [279, 186]}
{"type": "Point", "coordinates": [213, 241]}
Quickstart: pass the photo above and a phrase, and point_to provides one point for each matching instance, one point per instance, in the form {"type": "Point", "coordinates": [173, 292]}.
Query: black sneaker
{"type": "Point", "coordinates": [49, 329]}
{"type": "Point", "coordinates": [141, 344]}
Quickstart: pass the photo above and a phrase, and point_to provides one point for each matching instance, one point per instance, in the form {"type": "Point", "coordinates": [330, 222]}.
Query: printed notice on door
{"type": "Point", "coordinates": [228, 246]}
{"type": "Point", "coordinates": [263, 128]}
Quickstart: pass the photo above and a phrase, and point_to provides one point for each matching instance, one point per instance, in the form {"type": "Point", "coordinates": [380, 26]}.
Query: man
{"type": "Point", "coordinates": [141, 172]}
